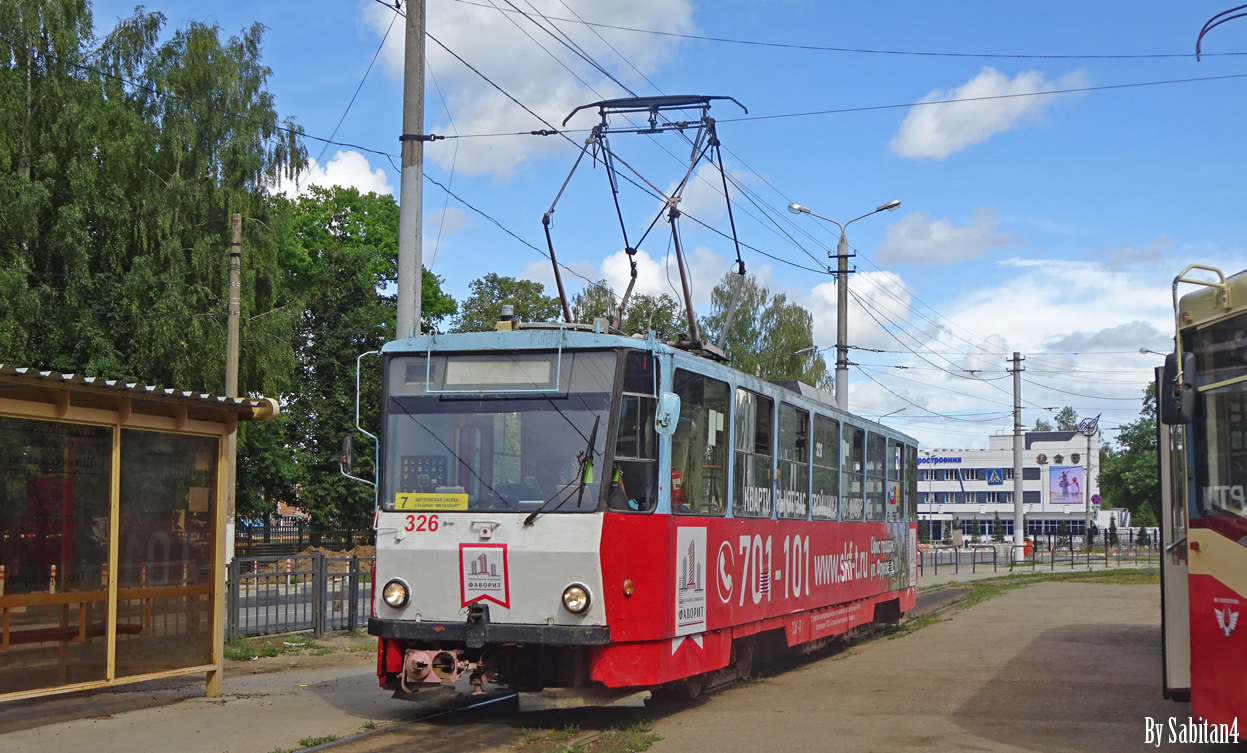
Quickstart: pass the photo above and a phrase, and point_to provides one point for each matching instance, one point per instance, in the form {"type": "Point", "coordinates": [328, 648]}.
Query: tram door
{"type": "Point", "coordinates": [1175, 596]}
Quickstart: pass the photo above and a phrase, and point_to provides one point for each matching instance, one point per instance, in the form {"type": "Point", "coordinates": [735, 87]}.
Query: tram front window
{"type": "Point", "coordinates": [496, 431]}
{"type": "Point", "coordinates": [1220, 427]}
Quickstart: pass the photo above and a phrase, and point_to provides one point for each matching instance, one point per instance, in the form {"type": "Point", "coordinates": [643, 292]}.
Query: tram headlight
{"type": "Point", "coordinates": [395, 594]}
{"type": "Point", "coordinates": [576, 599]}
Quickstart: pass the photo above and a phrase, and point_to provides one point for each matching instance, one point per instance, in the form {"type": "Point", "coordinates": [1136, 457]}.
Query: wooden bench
{"type": "Point", "coordinates": [67, 633]}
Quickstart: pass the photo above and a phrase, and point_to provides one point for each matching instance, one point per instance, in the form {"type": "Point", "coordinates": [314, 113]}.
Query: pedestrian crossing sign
{"type": "Point", "coordinates": [995, 477]}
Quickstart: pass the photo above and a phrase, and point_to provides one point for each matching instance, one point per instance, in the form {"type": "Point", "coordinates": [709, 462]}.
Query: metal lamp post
{"type": "Point", "coordinates": [842, 296]}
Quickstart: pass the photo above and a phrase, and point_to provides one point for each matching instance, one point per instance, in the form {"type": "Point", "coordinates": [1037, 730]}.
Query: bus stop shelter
{"type": "Point", "coordinates": [112, 531]}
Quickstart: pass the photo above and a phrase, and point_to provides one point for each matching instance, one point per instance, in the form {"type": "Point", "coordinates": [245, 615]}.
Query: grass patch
{"type": "Point", "coordinates": [244, 649]}
{"type": "Point", "coordinates": [548, 739]}
{"type": "Point", "coordinates": [913, 625]}
{"type": "Point", "coordinates": [370, 724]}
{"type": "Point", "coordinates": [629, 738]}
{"type": "Point", "coordinates": [311, 742]}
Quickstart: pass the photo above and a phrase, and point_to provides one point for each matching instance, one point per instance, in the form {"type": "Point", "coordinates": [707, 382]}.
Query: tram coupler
{"type": "Point", "coordinates": [421, 667]}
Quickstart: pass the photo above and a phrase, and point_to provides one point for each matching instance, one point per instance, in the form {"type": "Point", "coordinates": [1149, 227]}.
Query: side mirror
{"type": "Point", "coordinates": [668, 415]}
{"type": "Point", "coordinates": [1177, 401]}
{"type": "Point", "coordinates": [346, 458]}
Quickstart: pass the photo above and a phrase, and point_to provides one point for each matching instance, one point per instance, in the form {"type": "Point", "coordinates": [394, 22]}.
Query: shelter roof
{"type": "Point", "coordinates": [21, 383]}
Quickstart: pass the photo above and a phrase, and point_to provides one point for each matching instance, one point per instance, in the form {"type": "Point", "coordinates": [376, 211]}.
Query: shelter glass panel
{"type": "Point", "coordinates": [794, 463]}
{"type": "Point", "coordinates": [825, 469]}
{"type": "Point", "coordinates": [699, 445]}
{"type": "Point", "coordinates": [751, 474]}
{"type": "Point", "coordinates": [852, 476]}
{"type": "Point", "coordinates": [54, 529]}
{"type": "Point", "coordinates": [167, 551]}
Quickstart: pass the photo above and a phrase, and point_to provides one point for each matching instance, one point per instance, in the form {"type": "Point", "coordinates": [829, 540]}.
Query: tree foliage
{"type": "Point", "coordinates": [122, 160]}
{"type": "Point", "coordinates": [344, 251]}
{"type": "Point", "coordinates": [1128, 474]}
{"type": "Point", "coordinates": [661, 314]}
{"type": "Point", "coordinates": [1066, 419]}
{"type": "Point", "coordinates": [483, 306]}
{"type": "Point", "coordinates": [117, 197]}
{"type": "Point", "coordinates": [1042, 425]}
{"type": "Point", "coordinates": [766, 333]}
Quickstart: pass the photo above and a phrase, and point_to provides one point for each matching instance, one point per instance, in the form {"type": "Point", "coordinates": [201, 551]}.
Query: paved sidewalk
{"type": "Point", "coordinates": [259, 712]}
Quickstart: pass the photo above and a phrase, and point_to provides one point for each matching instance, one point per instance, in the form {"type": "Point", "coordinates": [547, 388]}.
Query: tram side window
{"type": "Point", "coordinates": [894, 497]}
{"type": "Point", "coordinates": [852, 468]}
{"type": "Point", "coordinates": [825, 498]}
{"type": "Point", "coordinates": [751, 474]}
{"type": "Point", "coordinates": [876, 450]}
{"type": "Point", "coordinates": [794, 463]}
{"type": "Point", "coordinates": [698, 447]}
{"type": "Point", "coordinates": [634, 476]}
{"type": "Point", "coordinates": [911, 483]}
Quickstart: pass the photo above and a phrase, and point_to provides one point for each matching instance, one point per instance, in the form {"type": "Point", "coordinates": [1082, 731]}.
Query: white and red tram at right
{"type": "Point", "coordinates": [593, 516]}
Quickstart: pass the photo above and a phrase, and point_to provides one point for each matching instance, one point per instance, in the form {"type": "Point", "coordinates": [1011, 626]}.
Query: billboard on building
{"type": "Point", "coordinates": [1065, 484]}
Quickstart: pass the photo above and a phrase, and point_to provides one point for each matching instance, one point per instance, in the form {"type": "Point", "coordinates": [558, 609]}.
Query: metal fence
{"type": "Point", "coordinates": [271, 541]}
{"type": "Point", "coordinates": [308, 592]}
{"type": "Point", "coordinates": [1060, 552]}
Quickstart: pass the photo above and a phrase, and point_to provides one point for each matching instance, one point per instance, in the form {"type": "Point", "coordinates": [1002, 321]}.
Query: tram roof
{"type": "Point", "coordinates": [556, 338]}
{"type": "Point", "coordinates": [1202, 306]}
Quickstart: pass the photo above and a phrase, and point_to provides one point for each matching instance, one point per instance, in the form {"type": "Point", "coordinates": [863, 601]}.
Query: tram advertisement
{"type": "Point", "coordinates": [759, 569]}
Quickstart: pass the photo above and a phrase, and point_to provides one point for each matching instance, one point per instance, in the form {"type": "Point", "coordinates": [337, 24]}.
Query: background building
{"type": "Point", "coordinates": [971, 489]}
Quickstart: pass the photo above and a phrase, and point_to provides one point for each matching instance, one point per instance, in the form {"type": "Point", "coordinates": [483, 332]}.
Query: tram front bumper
{"type": "Point", "coordinates": [487, 633]}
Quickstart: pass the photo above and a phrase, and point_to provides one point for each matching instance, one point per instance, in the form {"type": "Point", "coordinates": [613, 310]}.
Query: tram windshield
{"type": "Point", "coordinates": [506, 432]}
{"type": "Point", "coordinates": [1219, 432]}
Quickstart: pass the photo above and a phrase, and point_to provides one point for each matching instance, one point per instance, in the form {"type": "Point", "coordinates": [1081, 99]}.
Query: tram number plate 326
{"type": "Point", "coordinates": [421, 523]}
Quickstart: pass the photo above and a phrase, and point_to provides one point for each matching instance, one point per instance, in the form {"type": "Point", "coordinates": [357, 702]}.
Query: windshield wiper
{"type": "Point", "coordinates": [584, 468]}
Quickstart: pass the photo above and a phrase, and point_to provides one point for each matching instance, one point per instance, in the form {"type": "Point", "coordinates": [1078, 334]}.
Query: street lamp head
{"type": "Point", "coordinates": [796, 208]}
{"type": "Point", "coordinates": [890, 206]}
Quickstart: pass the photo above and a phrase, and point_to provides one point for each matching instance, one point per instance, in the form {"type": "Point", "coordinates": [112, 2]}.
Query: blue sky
{"type": "Point", "coordinates": [1050, 224]}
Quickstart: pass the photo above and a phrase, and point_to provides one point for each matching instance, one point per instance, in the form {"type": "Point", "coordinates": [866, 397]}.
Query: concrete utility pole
{"type": "Point", "coordinates": [842, 323]}
{"type": "Point", "coordinates": [1019, 525]}
{"type": "Point", "coordinates": [411, 187]}
{"type": "Point", "coordinates": [231, 374]}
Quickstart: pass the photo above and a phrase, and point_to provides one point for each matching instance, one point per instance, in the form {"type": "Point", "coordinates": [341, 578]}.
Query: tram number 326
{"type": "Point", "coordinates": [756, 568]}
{"type": "Point", "coordinates": [421, 523]}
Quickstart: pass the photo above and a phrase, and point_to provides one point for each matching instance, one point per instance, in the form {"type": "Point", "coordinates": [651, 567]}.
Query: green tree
{"type": "Point", "coordinates": [766, 333]}
{"type": "Point", "coordinates": [1042, 425]}
{"type": "Point", "coordinates": [662, 314]}
{"type": "Point", "coordinates": [593, 302]}
{"type": "Point", "coordinates": [344, 249]}
{"type": "Point", "coordinates": [1066, 419]}
{"type": "Point", "coordinates": [483, 306]}
{"type": "Point", "coordinates": [998, 529]}
{"type": "Point", "coordinates": [1128, 476]}
{"type": "Point", "coordinates": [117, 198]}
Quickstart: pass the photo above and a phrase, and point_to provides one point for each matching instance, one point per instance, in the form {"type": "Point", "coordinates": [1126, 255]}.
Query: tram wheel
{"type": "Point", "coordinates": [690, 689]}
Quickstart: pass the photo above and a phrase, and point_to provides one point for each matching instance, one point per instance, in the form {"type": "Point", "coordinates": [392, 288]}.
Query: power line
{"type": "Point", "coordinates": [371, 63]}
{"type": "Point", "coordinates": [986, 98]}
{"type": "Point", "coordinates": [868, 51]}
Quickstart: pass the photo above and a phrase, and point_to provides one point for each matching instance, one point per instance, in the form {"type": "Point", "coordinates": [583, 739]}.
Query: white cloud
{"type": "Point", "coordinates": [875, 299]}
{"type": "Point", "coordinates": [347, 168]}
{"type": "Point", "coordinates": [937, 130]}
{"type": "Point", "coordinates": [499, 45]}
{"type": "Point", "coordinates": [703, 196]}
{"type": "Point", "coordinates": [1127, 256]}
{"type": "Point", "coordinates": [918, 239]}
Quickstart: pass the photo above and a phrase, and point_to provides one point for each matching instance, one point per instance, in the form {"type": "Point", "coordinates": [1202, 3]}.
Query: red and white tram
{"type": "Point", "coordinates": [592, 515]}
{"type": "Point", "coordinates": [1203, 465]}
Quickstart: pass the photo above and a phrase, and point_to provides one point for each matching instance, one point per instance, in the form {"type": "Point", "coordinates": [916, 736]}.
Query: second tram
{"type": "Point", "coordinates": [584, 516]}
{"type": "Point", "coordinates": [1203, 452]}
